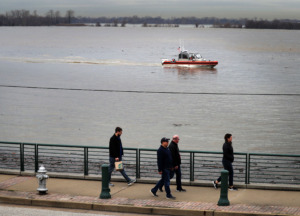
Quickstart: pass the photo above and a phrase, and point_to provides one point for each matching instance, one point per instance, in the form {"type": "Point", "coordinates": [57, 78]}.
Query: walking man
{"type": "Point", "coordinates": [176, 162]}
{"type": "Point", "coordinates": [227, 161]}
{"type": "Point", "coordinates": [115, 154]}
{"type": "Point", "coordinates": [164, 163]}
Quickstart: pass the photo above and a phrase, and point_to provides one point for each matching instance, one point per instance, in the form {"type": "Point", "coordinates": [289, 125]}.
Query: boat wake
{"type": "Point", "coordinates": [80, 60]}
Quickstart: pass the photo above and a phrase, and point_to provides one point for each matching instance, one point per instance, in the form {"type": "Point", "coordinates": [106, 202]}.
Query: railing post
{"type": "Point", "coordinates": [137, 159]}
{"type": "Point", "coordinates": [86, 161]}
{"type": "Point", "coordinates": [223, 201]}
{"type": "Point", "coordinates": [36, 157]}
{"type": "Point", "coordinates": [192, 166]}
{"type": "Point", "coordinates": [22, 157]}
{"type": "Point", "coordinates": [246, 169]}
{"type": "Point", "coordinates": [139, 167]}
{"type": "Point", "coordinates": [249, 167]}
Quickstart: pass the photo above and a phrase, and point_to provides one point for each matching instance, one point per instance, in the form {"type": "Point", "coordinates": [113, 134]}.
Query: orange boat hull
{"type": "Point", "coordinates": [210, 64]}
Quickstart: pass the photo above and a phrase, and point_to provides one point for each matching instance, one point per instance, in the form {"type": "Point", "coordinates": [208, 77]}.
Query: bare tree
{"type": "Point", "coordinates": [70, 15]}
{"type": "Point", "coordinates": [50, 17]}
{"type": "Point", "coordinates": [18, 17]}
{"type": "Point", "coordinates": [123, 23]}
{"type": "Point", "coordinates": [57, 17]}
{"type": "Point", "coordinates": [115, 23]}
{"type": "Point", "coordinates": [34, 19]}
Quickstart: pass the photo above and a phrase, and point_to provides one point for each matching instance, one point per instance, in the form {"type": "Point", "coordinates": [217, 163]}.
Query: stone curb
{"type": "Point", "coordinates": [219, 213]}
{"type": "Point", "coordinates": [125, 208]}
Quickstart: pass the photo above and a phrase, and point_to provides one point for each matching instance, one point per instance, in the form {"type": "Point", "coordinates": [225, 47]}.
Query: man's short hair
{"type": "Point", "coordinates": [118, 129]}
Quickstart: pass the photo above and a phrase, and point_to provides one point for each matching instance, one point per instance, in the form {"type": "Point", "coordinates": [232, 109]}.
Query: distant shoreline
{"type": "Point", "coordinates": [54, 18]}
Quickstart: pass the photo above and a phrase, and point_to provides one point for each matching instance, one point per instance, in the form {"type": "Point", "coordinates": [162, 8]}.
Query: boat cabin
{"type": "Point", "coordinates": [189, 56]}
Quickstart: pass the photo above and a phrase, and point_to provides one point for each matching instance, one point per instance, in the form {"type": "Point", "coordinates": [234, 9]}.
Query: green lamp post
{"type": "Point", "coordinates": [105, 188]}
{"type": "Point", "coordinates": [223, 201]}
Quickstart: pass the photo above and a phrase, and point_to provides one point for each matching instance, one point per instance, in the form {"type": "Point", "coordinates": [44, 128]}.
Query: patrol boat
{"type": "Point", "coordinates": [187, 59]}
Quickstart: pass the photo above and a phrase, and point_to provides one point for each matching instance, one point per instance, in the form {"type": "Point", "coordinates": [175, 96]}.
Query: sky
{"type": "Point", "coordinates": [260, 9]}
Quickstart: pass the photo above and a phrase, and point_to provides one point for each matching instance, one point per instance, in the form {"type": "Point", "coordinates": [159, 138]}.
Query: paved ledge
{"type": "Point", "coordinates": [9, 172]}
{"type": "Point", "coordinates": [15, 200]}
{"type": "Point", "coordinates": [153, 181]}
{"type": "Point", "coordinates": [179, 210]}
{"type": "Point", "coordinates": [84, 194]}
{"type": "Point", "coordinates": [274, 187]}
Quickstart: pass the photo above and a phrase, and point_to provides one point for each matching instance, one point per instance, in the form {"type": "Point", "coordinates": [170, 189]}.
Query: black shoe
{"type": "Point", "coordinates": [171, 197]}
{"type": "Point", "coordinates": [154, 194]}
{"type": "Point", "coordinates": [215, 184]}
{"type": "Point", "coordinates": [181, 190]}
{"type": "Point", "coordinates": [160, 189]}
{"type": "Point", "coordinates": [131, 182]}
{"type": "Point", "coordinates": [233, 189]}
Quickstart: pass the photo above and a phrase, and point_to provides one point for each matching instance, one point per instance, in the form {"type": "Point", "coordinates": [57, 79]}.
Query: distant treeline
{"type": "Point", "coordinates": [160, 20]}
{"type": "Point", "coordinates": [26, 18]}
{"type": "Point", "coordinates": [275, 24]}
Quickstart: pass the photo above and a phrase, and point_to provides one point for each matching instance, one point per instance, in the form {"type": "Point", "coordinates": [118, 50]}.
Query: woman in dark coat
{"type": "Point", "coordinates": [227, 161]}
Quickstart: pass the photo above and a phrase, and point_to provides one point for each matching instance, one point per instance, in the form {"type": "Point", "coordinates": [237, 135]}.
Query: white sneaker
{"type": "Point", "coordinates": [215, 185]}
{"type": "Point", "coordinates": [111, 185]}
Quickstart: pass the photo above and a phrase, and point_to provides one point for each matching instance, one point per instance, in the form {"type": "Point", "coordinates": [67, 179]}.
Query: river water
{"type": "Point", "coordinates": [253, 93]}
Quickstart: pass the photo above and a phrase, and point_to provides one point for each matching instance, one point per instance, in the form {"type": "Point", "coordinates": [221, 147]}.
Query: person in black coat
{"type": "Point", "coordinates": [165, 167]}
{"type": "Point", "coordinates": [115, 154]}
{"type": "Point", "coordinates": [176, 162]}
{"type": "Point", "coordinates": [227, 161]}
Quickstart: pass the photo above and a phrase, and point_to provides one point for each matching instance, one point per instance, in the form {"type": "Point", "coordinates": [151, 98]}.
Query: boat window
{"type": "Point", "coordinates": [198, 56]}
{"type": "Point", "coordinates": [183, 56]}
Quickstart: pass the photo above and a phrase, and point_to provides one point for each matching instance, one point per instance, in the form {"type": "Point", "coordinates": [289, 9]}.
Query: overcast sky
{"type": "Point", "coordinates": [265, 9]}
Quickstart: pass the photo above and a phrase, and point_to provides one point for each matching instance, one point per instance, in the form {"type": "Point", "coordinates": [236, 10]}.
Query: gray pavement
{"type": "Point", "coordinates": [21, 210]}
{"type": "Point", "coordinates": [84, 194]}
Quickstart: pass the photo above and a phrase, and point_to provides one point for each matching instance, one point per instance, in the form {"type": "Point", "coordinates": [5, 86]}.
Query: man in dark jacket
{"type": "Point", "coordinates": [227, 161]}
{"type": "Point", "coordinates": [165, 167]}
{"type": "Point", "coordinates": [176, 161]}
{"type": "Point", "coordinates": [115, 154]}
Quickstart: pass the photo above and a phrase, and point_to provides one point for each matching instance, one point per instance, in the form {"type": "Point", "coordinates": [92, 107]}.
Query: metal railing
{"type": "Point", "coordinates": [274, 168]}
{"type": "Point", "coordinates": [196, 165]}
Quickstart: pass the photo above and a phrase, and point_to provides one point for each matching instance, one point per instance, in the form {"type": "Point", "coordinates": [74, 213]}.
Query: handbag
{"type": "Point", "coordinates": [119, 165]}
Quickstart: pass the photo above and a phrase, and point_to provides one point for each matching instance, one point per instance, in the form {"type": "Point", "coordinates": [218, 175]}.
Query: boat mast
{"type": "Point", "coordinates": [181, 46]}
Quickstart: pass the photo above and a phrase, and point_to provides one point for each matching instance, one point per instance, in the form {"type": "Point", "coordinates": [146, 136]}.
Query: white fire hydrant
{"type": "Point", "coordinates": [42, 178]}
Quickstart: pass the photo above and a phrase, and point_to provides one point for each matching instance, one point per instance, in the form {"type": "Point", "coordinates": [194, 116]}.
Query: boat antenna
{"type": "Point", "coordinates": [181, 46]}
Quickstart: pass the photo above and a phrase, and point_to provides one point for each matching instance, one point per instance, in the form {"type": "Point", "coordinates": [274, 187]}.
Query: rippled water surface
{"type": "Point", "coordinates": [107, 77]}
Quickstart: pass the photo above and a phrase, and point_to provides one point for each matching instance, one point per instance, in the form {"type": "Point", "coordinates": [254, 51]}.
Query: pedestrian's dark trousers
{"type": "Point", "coordinates": [165, 180]}
{"type": "Point", "coordinates": [112, 167]}
{"type": "Point", "coordinates": [178, 177]}
{"type": "Point", "coordinates": [228, 166]}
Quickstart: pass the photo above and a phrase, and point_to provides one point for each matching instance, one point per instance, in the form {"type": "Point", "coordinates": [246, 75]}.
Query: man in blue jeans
{"type": "Point", "coordinates": [115, 154]}
{"type": "Point", "coordinates": [164, 163]}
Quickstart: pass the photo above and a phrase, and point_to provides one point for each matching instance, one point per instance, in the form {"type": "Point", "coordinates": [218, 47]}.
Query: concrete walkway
{"type": "Point", "coordinates": [84, 194]}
